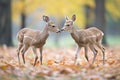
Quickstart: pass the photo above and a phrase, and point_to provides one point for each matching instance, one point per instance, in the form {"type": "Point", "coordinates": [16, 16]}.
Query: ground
{"type": "Point", "coordinates": [58, 64]}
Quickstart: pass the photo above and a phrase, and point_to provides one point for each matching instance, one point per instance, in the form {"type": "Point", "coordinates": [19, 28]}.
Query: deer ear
{"type": "Point", "coordinates": [45, 18]}
{"type": "Point", "coordinates": [74, 17]}
{"type": "Point", "coordinates": [66, 18]}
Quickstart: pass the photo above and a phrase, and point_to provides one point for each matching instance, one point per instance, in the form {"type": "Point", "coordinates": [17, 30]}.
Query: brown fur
{"type": "Point", "coordinates": [90, 37]}
{"type": "Point", "coordinates": [34, 38]}
{"type": "Point", "coordinates": [87, 36]}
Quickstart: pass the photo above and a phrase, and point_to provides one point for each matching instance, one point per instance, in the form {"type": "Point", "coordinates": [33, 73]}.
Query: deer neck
{"type": "Point", "coordinates": [45, 30]}
{"type": "Point", "coordinates": [75, 35]}
{"type": "Point", "coordinates": [44, 34]}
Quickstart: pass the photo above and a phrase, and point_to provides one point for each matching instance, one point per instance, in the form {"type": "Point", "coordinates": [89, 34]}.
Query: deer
{"type": "Point", "coordinates": [86, 38]}
{"type": "Point", "coordinates": [34, 38]}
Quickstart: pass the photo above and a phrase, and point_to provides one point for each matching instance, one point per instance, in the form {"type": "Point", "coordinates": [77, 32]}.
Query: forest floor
{"type": "Point", "coordinates": [58, 64]}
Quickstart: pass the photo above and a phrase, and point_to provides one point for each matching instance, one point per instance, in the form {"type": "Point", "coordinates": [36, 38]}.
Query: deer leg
{"type": "Point", "coordinates": [94, 52]}
{"type": "Point", "coordinates": [41, 55]}
{"type": "Point", "coordinates": [25, 48]}
{"type": "Point", "coordinates": [103, 51]}
{"type": "Point", "coordinates": [76, 54]}
{"type": "Point", "coordinates": [36, 56]}
{"type": "Point", "coordinates": [18, 51]}
{"type": "Point", "coordinates": [86, 53]}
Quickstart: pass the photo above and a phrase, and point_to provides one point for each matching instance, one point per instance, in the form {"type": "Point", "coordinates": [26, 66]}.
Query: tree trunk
{"type": "Point", "coordinates": [100, 17]}
{"type": "Point", "coordinates": [5, 23]}
{"type": "Point", "coordinates": [88, 16]}
{"type": "Point", "coordinates": [23, 18]}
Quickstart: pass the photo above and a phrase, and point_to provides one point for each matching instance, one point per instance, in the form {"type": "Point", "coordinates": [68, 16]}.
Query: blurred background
{"type": "Point", "coordinates": [18, 14]}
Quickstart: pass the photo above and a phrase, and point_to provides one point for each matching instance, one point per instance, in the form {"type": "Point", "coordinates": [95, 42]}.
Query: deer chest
{"type": "Point", "coordinates": [39, 44]}
{"type": "Point", "coordinates": [81, 41]}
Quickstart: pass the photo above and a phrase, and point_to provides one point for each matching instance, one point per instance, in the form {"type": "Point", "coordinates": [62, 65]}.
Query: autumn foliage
{"type": "Point", "coordinates": [58, 64]}
{"type": "Point", "coordinates": [62, 8]}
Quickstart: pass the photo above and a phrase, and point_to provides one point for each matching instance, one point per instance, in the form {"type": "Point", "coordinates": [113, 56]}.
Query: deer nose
{"type": "Point", "coordinates": [62, 29]}
{"type": "Point", "coordinates": [58, 31]}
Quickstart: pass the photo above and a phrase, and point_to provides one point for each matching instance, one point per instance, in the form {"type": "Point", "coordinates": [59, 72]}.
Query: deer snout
{"type": "Point", "coordinates": [62, 29]}
{"type": "Point", "coordinates": [58, 31]}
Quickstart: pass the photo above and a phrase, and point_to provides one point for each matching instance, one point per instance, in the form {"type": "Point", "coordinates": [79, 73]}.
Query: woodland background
{"type": "Point", "coordinates": [17, 14]}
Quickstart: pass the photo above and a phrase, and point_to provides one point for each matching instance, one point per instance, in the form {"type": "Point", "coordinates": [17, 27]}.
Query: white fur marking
{"type": "Point", "coordinates": [30, 38]}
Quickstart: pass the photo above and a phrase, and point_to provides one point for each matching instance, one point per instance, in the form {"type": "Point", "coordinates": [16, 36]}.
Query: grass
{"type": "Point", "coordinates": [68, 41]}
{"type": "Point", "coordinates": [63, 42]}
{"type": "Point", "coordinates": [113, 40]}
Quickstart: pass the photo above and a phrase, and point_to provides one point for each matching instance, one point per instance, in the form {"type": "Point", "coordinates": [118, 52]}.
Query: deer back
{"type": "Point", "coordinates": [90, 35]}
{"type": "Point", "coordinates": [95, 33]}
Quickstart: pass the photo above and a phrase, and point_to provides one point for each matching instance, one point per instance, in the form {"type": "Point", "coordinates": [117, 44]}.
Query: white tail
{"type": "Point", "coordinates": [34, 38]}
{"type": "Point", "coordinates": [90, 37]}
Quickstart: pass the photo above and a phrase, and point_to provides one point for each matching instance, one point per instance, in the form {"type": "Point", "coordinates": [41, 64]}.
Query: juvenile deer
{"type": "Point", "coordinates": [35, 39]}
{"type": "Point", "coordinates": [87, 38]}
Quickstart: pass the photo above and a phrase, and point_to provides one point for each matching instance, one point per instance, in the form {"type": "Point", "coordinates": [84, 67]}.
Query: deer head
{"type": "Point", "coordinates": [68, 25]}
{"type": "Point", "coordinates": [50, 25]}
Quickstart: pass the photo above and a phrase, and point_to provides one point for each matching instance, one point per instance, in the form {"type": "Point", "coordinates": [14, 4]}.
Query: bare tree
{"type": "Point", "coordinates": [100, 17]}
{"type": "Point", "coordinates": [23, 16]}
{"type": "Point", "coordinates": [5, 23]}
{"type": "Point", "coordinates": [88, 11]}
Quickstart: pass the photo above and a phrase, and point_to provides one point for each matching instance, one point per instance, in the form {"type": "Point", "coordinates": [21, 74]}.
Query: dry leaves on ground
{"type": "Point", "coordinates": [58, 64]}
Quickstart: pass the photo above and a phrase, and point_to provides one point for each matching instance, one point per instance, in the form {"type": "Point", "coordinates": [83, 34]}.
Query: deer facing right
{"type": "Point", "coordinates": [34, 38]}
{"type": "Point", "coordinates": [87, 38]}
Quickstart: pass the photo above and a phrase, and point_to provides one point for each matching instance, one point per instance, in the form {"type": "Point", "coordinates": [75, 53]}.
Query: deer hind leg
{"type": "Point", "coordinates": [18, 51]}
{"type": "Point", "coordinates": [86, 53]}
{"type": "Point", "coordinates": [41, 55]}
{"type": "Point", "coordinates": [35, 53]}
{"type": "Point", "coordinates": [25, 48]}
{"type": "Point", "coordinates": [94, 52]}
{"type": "Point", "coordinates": [103, 51]}
{"type": "Point", "coordinates": [99, 45]}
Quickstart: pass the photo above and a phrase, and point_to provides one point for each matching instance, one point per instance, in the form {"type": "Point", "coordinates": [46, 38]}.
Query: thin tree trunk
{"type": "Point", "coordinates": [88, 16]}
{"type": "Point", "coordinates": [23, 18]}
{"type": "Point", "coordinates": [100, 17]}
{"type": "Point", "coordinates": [5, 23]}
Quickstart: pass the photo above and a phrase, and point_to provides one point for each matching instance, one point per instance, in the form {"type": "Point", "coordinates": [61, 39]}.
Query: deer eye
{"type": "Point", "coordinates": [53, 26]}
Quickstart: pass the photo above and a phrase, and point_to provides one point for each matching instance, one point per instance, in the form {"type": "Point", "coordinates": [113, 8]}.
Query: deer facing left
{"type": "Point", "coordinates": [35, 39]}
{"type": "Point", "coordinates": [86, 38]}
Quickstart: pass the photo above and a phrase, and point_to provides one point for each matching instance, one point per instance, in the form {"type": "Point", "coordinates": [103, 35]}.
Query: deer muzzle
{"type": "Point", "coordinates": [60, 30]}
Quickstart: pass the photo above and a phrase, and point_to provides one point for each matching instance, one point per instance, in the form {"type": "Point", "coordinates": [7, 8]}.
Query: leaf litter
{"type": "Point", "coordinates": [58, 64]}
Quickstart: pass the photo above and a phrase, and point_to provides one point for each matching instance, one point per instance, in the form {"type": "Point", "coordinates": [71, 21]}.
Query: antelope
{"type": "Point", "coordinates": [35, 39]}
{"type": "Point", "coordinates": [87, 38]}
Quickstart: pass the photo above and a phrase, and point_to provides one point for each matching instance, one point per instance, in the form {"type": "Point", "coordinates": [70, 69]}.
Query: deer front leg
{"type": "Point", "coordinates": [41, 55]}
{"type": "Point", "coordinates": [36, 56]}
{"type": "Point", "coordinates": [25, 48]}
{"type": "Point", "coordinates": [18, 51]}
{"type": "Point", "coordinates": [77, 54]}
